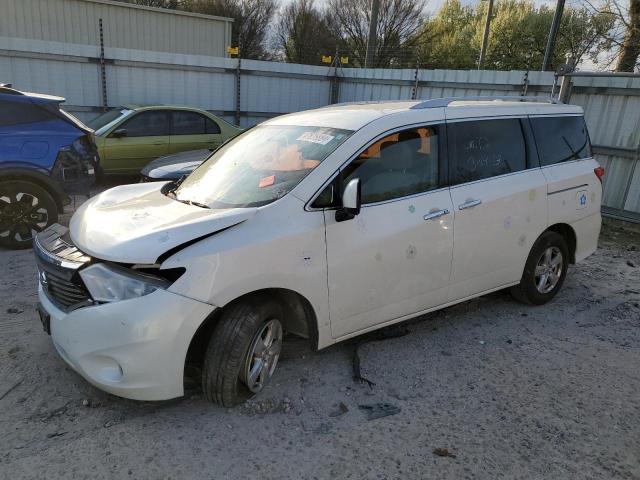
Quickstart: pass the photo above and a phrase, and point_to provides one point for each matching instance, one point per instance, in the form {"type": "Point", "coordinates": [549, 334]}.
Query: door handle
{"type": "Point", "coordinates": [469, 204]}
{"type": "Point", "coordinates": [436, 214]}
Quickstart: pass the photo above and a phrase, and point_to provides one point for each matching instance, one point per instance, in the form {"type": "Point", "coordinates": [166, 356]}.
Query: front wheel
{"type": "Point", "coordinates": [545, 270]}
{"type": "Point", "coordinates": [24, 207]}
{"type": "Point", "coordinates": [243, 351]}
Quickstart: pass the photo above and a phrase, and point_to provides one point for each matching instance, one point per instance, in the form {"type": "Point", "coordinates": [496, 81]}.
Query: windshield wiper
{"type": "Point", "coordinates": [191, 202]}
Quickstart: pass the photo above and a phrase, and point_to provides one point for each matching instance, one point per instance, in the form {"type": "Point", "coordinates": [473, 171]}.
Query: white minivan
{"type": "Point", "coordinates": [326, 224]}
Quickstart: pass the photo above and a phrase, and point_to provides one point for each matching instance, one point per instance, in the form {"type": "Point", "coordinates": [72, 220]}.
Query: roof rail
{"type": "Point", "coordinates": [444, 102]}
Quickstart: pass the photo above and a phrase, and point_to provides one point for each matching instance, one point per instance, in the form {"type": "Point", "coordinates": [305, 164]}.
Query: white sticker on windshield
{"type": "Point", "coordinates": [313, 137]}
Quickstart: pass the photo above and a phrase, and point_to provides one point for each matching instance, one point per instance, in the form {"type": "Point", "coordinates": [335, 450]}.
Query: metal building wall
{"type": "Point", "coordinates": [125, 26]}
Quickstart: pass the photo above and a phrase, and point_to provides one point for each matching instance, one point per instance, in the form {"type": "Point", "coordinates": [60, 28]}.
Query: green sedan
{"type": "Point", "coordinates": [129, 137]}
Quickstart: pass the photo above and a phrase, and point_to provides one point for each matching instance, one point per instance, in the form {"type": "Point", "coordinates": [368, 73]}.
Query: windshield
{"type": "Point", "coordinates": [259, 166]}
{"type": "Point", "coordinates": [106, 118]}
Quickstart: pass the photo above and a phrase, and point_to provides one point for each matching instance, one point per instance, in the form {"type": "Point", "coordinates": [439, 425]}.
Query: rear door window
{"type": "Point", "coordinates": [152, 123]}
{"type": "Point", "coordinates": [560, 139]}
{"type": "Point", "coordinates": [481, 149]}
{"type": "Point", "coordinates": [188, 123]}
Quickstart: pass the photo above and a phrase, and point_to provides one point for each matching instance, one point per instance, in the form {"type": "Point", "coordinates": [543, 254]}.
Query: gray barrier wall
{"type": "Point", "coordinates": [248, 91]}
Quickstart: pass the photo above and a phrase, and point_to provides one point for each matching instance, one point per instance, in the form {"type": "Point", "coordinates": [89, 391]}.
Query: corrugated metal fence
{"type": "Point", "coordinates": [249, 91]}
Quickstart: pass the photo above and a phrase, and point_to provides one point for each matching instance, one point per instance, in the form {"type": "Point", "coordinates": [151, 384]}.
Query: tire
{"type": "Point", "coordinates": [234, 349]}
{"type": "Point", "coordinates": [533, 288]}
{"type": "Point", "coordinates": [24, 206]}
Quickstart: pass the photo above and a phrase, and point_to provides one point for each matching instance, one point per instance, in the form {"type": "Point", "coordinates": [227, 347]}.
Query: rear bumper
{"type": "Point", "coordinates": [135, 348]}
{"type": "Point", "coordinates": [587, 233]}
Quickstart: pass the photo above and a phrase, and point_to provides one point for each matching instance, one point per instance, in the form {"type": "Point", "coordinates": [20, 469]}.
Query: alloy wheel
{"type": "Point", "coordinates": [548, 270]}
{"type": "Point", "coordinates": [20, 213]}
{"type": "Point", "coordinates": [263, 356]}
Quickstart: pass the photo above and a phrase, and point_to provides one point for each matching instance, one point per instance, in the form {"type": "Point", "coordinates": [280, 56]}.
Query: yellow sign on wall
{"type": "Point", "coordinates": [233, 50]}
{"type": "Point", "coordinates": [326, 58]}
{"type": "Point", "coordinates": [344, 60]}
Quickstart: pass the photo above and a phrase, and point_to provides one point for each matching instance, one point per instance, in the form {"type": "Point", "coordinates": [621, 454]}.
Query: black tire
{"type": "Point", "coordinates": [527, 290]}
{"type": "Point", "coordinates": [228, 349]}
{"type": "Point", "coordinates": [19, 215]}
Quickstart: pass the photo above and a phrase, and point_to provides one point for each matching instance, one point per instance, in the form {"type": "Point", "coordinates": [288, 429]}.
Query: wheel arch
{"type": "Point", "coordinates": [38, 178]}
{"type": "Point", "coordinates": [569, 234]}
{"type": "Point", "coordinates": [299, 319]}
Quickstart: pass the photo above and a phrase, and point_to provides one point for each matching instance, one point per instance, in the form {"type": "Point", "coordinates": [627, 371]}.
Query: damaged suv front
{"type": "Point", "coordinates": [108, 320]}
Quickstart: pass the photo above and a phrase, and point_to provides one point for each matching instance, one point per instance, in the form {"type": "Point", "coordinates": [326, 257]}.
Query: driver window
{"type": "Point", "coordinates": [152, 123]}
{"type": "Point", "coordinates": [398, 165]}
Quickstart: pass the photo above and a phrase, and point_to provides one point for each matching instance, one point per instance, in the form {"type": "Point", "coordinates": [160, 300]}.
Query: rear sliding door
{"type": "Point", "coordinates": [499, 197]}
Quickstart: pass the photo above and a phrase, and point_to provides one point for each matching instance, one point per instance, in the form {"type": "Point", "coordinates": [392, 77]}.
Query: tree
{"type": "Point", "coordinates": [251, 19]}
{"type": "Point", "coordinates": [517, 38]}
{"type": "Point", "coordinates": [630, 48]}
{"type": "Point", "coordinates": [398, 21]}
{"type": "Point", "coordinates": [303, 34]}
{"type": "Point", "coordinates": [446, 40]}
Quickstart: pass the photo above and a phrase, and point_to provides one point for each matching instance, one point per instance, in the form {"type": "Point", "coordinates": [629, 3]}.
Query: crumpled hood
{"type": "Point", "coordinates": [137, 223]}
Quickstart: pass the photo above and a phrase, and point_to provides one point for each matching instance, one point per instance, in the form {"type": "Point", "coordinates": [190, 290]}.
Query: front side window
{"type": "Point", "coordinates": [398, 165]}
{"type": "Point", "coordinates": [259, 166]}
{"type": "Point", "coordinates": [485, 148]}
{"type": "Point", "coordinates": [560, 139]}
{"type": "Point", "coordinates": [151, 123]}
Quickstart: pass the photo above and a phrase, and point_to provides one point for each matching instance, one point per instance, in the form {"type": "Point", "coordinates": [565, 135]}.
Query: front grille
{"type": "Point", "coordinates": [58, 263]}
{"type": "Point", "coordinates": [64, 292]}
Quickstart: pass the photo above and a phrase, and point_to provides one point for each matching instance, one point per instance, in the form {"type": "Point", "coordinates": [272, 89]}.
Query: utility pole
{"type": "Point", "coordinates": [485, 38]}
{"type": "Point", "coordinates": [553, 33]}
{"type": "Point", "coordinates": [373, 26]}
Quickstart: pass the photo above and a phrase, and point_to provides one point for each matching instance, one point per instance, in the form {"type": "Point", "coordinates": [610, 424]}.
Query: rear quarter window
{"type": "Point", "coordinates": [561, 139]}
{"type": "Point", "coordinates": [20, 112]}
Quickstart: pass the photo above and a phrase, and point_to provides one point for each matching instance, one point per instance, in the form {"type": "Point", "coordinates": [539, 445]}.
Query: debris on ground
{"type": "Point", "coordinates": [342, 409]}
{"type": "Point", "coordinates": [385, 334]}
{"type": "Point", "coordinates": [443, 452]}
{"type": "Point", "coordinates": [374, 411]}
{"type": "Point", "coordinates": [11, 388]}
{"type": "Point", "coordinates": [631, 263]}
{"type": "Point", "coordinates": [14, 310]}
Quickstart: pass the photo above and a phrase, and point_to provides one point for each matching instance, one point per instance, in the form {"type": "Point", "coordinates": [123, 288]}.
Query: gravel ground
{"type": "Point", "coordinates": [486, 389]}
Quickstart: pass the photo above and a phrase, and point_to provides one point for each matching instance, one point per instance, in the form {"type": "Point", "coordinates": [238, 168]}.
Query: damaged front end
{"type": "Point", "coordinates": [71, 279]}
{"type": "Point", "coordinates": [76, 166]}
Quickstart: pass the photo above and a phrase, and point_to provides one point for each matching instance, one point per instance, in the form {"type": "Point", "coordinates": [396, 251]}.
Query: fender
{"type": "Point", "coordinates": [39, 176]}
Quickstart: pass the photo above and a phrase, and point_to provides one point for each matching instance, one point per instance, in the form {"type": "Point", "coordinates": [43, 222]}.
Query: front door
{"type": "Point", "coordinates": [394, 258]}
{"type": "Point", "coordinates": [193, 131]}
{"type": "Point", "coordinates": [500, 203]}
{"type": "Point", "coordinates": [138, 140]}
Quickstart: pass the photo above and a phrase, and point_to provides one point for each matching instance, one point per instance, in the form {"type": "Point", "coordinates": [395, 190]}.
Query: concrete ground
{"type": "Point", "coordinates": [486, 389]}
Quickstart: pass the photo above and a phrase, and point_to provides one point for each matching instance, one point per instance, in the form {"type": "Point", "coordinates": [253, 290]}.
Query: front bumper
{"type": "Point", "coordinates": [134, 348]}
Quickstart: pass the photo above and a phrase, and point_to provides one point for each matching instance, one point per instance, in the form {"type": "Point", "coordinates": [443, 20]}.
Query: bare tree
{"type": "Point", "coordinates": [398, 21]}
{"type": "Point", "coordinates": [302, 34]}
{"type": "Point", "coordinates": [621, 45]}
{"type": "Point", "coordinates": [251, 22]}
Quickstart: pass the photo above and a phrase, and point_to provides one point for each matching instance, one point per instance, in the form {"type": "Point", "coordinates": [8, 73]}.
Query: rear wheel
{"type": "Point", "coordinates": [545, 270]}
{"type": "Point", "coordinates": [24, 207]}
{"type": "Point", "coordinates": [243, 352]}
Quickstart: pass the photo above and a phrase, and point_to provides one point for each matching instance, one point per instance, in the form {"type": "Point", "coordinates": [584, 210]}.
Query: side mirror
{"type": "Point", "coordinates": [351, 200]}
{"type": "Point", "coordinates": [120, 132]}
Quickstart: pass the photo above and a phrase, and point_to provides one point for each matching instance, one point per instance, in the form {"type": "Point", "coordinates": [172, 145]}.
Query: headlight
{"type": "Point", "coordinates": [109, 283]}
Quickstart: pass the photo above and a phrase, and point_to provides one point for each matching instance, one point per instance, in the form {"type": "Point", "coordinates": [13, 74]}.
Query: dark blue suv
{"type": "Point", "coordinates": [45, 155]}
